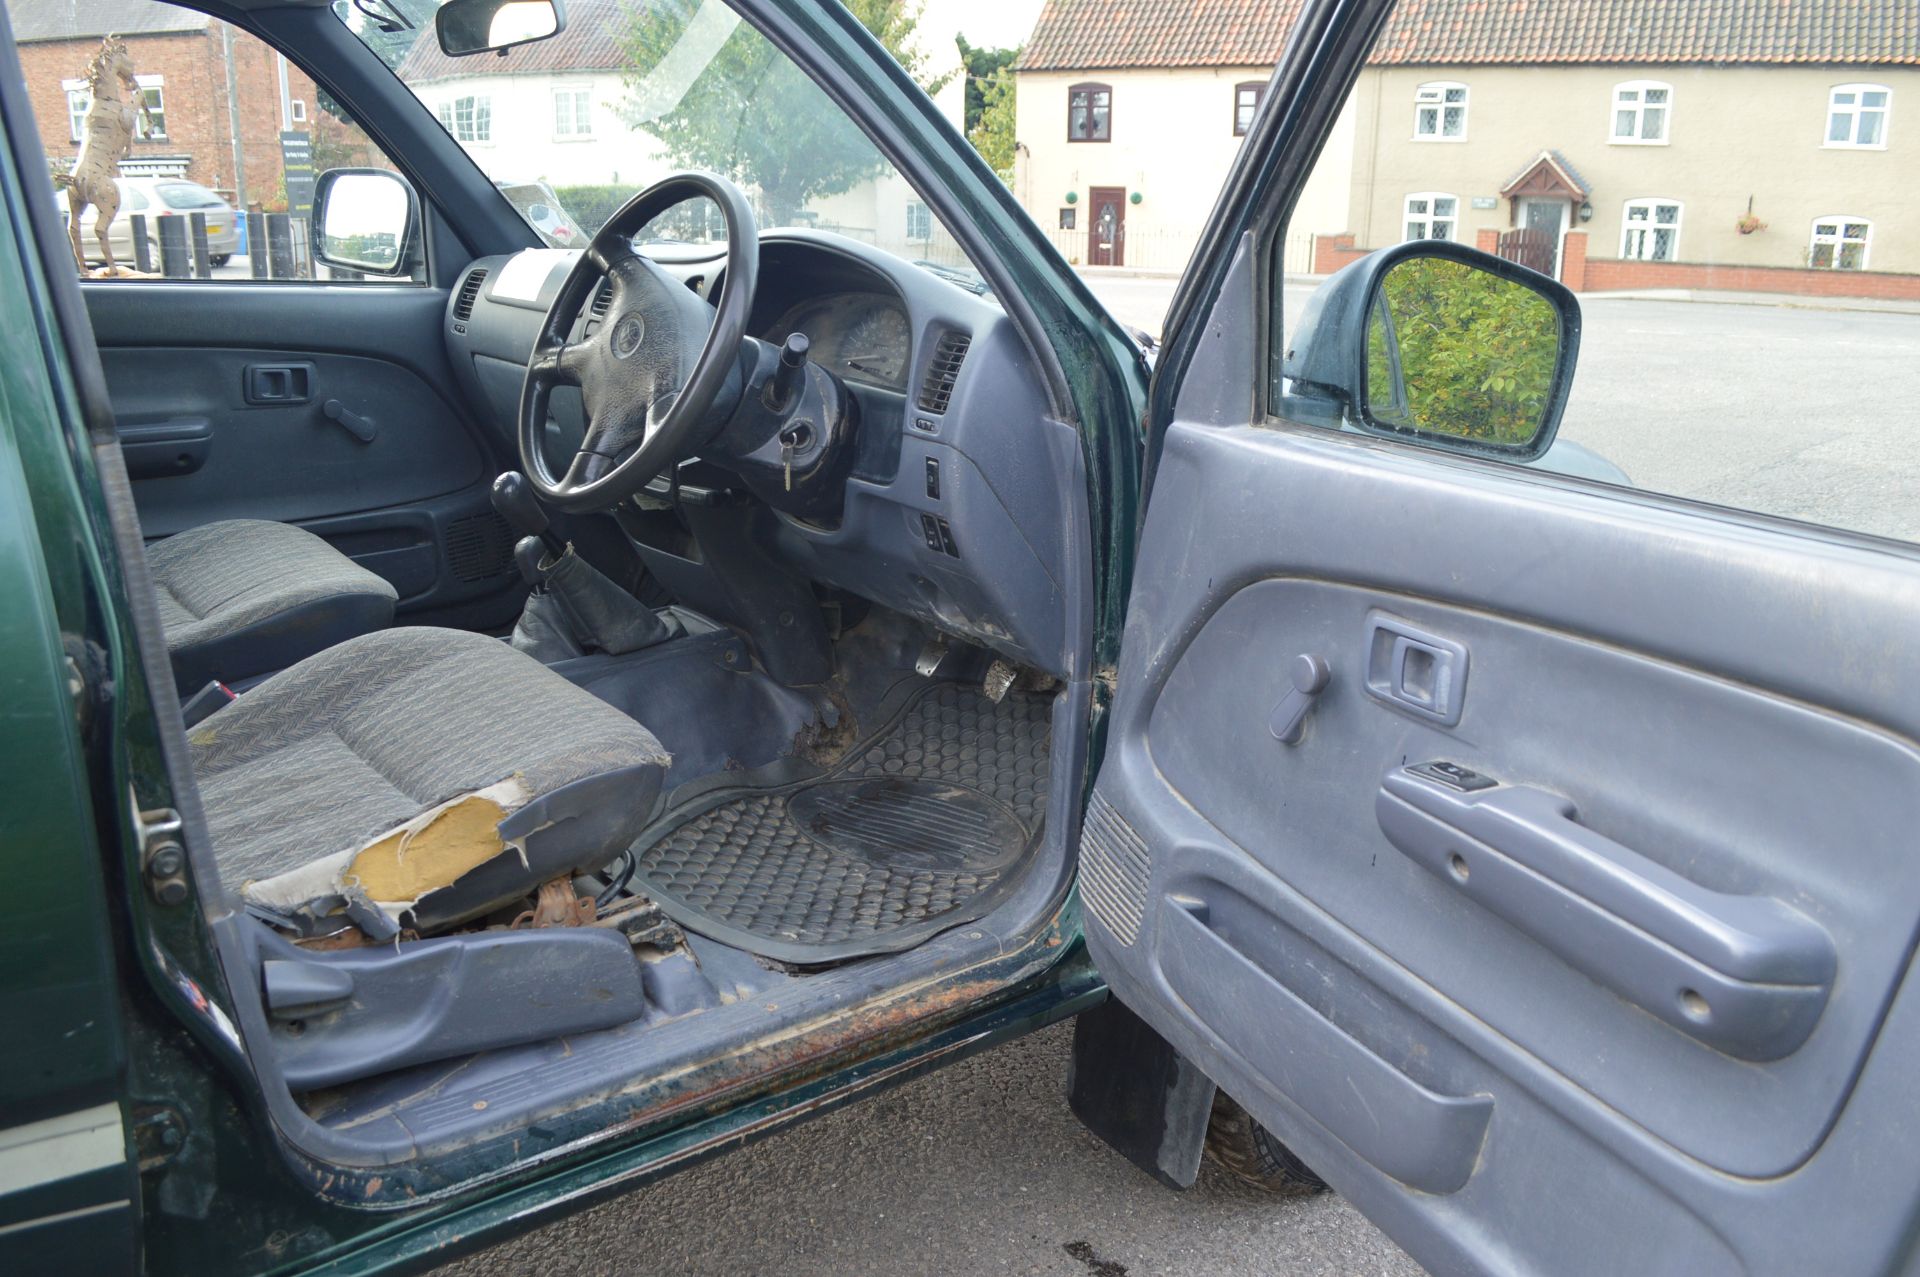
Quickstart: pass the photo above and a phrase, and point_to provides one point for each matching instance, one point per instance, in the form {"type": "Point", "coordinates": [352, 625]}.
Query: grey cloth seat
{"type": "Point", "coordinates": [243, 597]}
{"type": "Point", "coordinates": [409, 728]}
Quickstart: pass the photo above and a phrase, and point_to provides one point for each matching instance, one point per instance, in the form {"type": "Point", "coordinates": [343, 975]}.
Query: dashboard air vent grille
{"type": "Point", "coordinates": [602, 298]}
{"type": "Point", "coordinates": [469, 294]}
{"type": "Point", "coordinates": [943, 371]}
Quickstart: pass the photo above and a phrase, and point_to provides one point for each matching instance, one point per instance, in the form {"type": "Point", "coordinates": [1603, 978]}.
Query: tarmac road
{"type": "Point", "coordinates": [976, 1169]}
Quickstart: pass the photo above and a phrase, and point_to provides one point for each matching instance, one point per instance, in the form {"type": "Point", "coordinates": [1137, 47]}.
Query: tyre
{"type": "Point", "coordinates": [221, 259]}
{"type": "Point", "coordinates": [1249, 1152]}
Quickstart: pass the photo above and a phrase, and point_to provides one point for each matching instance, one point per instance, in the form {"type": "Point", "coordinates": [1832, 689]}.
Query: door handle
{"type": "Point", "coordinates": [1747, 975]}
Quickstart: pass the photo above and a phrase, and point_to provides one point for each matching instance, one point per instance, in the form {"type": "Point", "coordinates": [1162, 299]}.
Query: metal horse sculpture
{"type": "Point", "coordinates": [109, 138]}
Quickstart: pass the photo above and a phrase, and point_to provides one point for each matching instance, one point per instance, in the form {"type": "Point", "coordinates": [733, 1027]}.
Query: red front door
{"type": "Point", "coordinates": [1107, 227]}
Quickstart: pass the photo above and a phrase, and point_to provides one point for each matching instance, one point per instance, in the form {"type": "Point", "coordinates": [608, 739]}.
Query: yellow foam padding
{"type": "Point", "coordinates": [436, 848]}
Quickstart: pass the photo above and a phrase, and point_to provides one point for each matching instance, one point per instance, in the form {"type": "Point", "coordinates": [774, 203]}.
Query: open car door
{"type": "Point", "coordinates": [1535, 856]}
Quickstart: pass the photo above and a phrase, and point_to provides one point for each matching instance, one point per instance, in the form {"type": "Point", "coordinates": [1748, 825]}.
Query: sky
{"type": "Point", "coordinates": [989, 24]}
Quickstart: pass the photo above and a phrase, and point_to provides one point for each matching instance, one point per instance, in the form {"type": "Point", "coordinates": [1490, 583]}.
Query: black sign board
{"type": "Point", "coordinates": [296, 158]}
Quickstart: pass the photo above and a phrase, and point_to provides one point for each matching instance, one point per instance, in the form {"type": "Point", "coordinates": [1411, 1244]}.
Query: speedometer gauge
{"type": "Point", "coordinates": [875, 347]}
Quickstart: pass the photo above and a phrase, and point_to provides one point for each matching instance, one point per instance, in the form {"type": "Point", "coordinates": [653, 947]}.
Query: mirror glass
{"type": "Point", "coordinates": [363, 221]}
{"type": "Point", "coordinates": [475, 26]}
{"type": "Point", "coordinates": [1461, 352]}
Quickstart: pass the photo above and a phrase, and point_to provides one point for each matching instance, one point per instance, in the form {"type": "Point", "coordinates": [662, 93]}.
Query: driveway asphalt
{"type": "Point", "coordinates": [976, 1169]}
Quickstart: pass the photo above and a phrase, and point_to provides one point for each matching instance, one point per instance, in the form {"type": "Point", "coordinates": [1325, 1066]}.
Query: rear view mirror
{"type": "Point", "coordinates": [484, 26]}
{"type": "Point", "coordinates": [363, 221]}
{"type": "Point", "coordinates": [1442, 343]}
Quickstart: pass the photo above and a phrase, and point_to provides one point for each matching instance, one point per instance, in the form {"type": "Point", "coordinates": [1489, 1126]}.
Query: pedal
{"type": "Point", "coordinates": [931, 655]}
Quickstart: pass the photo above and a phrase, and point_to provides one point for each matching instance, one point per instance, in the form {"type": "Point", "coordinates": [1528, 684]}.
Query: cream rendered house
{"type": "Point", "coordinates": [1128, 114]}
{"type": "Point", "coordinates": [1739, 144]}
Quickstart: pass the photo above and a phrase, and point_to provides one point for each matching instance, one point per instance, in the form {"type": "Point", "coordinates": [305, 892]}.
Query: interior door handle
{"type": "Point", "coordinates": [1747, 975]}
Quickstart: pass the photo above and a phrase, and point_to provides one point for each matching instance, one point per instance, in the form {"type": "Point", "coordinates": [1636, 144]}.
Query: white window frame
{"type": "Point", "coordinates": [80, 101]}
{"type": "Point", "coordinates": [1854, 111]}
{"type": "Point", "coordinates": [919, 220]}
{"type": "Point", "coordinates": [1429, 217]}
{"type": "Point", "coordinates": [1638, 106]}
{"type": "Point", "coordinates": [297, 110]}
{"type": "Point", "coordinates": [1637, 238]}
{"type": "Point", "coordinates": [479, 122]}
{"type": "Point", "coordinates": [579, 113]}
{"type": "Point", "coordinates": [1430, 104]}
{"type": "Point", "coordinates": [1838, 239]}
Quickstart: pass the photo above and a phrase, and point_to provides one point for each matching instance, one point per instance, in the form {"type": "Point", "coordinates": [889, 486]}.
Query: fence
{"type": "Point", "coordinates": [184, 247]}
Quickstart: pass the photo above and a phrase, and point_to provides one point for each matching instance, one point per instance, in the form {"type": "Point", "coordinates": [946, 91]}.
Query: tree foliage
{"type": "Point", "coordinates": [992, 135]}
{"type": "Point", "coordinates": [1477, 352]}
{"type": "Point", "coordinates": [982, 66]}
{"type": "Point", "coordinates": [752, 114]}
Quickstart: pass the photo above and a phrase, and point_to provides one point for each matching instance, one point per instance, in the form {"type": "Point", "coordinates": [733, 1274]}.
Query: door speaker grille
{"type": "Point", "coordinates": [1114, 869]}
{"type": "Point", "coordinates": [479, 547]}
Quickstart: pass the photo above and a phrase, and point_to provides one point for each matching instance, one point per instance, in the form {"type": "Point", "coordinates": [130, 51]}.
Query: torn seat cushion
{"type": "Point", "coordinates": [436, 772]}
{"type": "Point", "coordinates": [244, 596]}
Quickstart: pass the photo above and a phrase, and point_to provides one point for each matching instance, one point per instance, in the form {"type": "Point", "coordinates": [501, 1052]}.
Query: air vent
{"type": "Point", "coordinates": [479, 547]}
{"type": "Point", "coordinates": [602, 298]}
{"type": "Point", "coordinates": [469, 294]}
{"type": "Point", "coordinates": [948, 352]}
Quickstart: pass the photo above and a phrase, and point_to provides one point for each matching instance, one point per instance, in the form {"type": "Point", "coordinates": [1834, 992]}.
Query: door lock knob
{"type": "Point", "coordinates": [1308, 676]}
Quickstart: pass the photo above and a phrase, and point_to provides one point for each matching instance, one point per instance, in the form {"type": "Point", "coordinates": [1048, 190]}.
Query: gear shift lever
{"type": "Point", "coordinates": [513, 499]}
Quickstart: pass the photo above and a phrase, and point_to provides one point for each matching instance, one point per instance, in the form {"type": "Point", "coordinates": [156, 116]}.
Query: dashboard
{"type": "Point", "coordinates": [861, 337]}
{"type": "Point", "coordinates": [954, 510]}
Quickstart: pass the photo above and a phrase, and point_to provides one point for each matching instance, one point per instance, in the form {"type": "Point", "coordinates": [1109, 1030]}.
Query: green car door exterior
{"type": "Point", "coordinates": [131, 1138]}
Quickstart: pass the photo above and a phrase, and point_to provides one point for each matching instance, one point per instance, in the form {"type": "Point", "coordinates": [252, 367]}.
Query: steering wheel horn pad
{"type": "Point", "coordinates": [650, 376]}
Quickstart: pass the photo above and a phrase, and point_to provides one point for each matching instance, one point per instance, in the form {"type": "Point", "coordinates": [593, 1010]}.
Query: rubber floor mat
{"type": "Point", "coordinates": [910, 835]}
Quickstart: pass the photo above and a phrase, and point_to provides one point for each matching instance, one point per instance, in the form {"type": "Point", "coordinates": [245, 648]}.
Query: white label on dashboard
{"type": "Point", "coordinates": [526, 273]}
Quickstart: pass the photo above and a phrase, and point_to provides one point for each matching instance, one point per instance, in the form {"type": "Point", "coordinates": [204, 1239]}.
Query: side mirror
{"type": "Point", "coordinates": [363, 220]}
{"type": "Point", "coordinates": [493, 26]}
{"type": "Point", "coordinates": [1441, 343]}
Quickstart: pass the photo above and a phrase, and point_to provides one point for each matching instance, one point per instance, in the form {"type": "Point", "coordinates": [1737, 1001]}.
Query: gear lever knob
{"type": "Point", "coordinates": [528, 555]}
{"type": "Point", "coordinates": [514, 500]}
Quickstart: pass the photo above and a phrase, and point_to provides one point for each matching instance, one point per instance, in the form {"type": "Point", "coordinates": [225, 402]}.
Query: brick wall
{"type": "Point", "coordinates": [1604, 276]}
{"type": "Point", "coordinates": [1331, 252]}
{"type": "Point", "coordinates": [198, 120]}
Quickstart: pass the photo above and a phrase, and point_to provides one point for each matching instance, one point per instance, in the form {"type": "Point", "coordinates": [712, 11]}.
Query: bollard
{"type": "Point", "coordinates": [197, 239]}
{"type": "Point", "coordinates": [175, 258]}
{"type": "Point", "coordinates": [142, 245]}
{"type": "Point", "coordinates": [257, 244]}
{"type": "Point", "coordinates": [279, 246]}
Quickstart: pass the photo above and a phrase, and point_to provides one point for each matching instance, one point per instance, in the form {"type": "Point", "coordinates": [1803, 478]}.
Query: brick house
{"type": "Point", "coordinates": [185, 61]}
{"type": "Point", "coordinates": [1731, 144]}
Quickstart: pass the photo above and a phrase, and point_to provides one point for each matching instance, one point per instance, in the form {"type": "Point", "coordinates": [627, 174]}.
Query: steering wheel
{"type": "Point", "coordinates": [649, 376]}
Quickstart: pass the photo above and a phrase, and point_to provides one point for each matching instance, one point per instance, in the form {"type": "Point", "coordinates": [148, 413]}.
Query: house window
{"type": "Point", "coordinates": [573, 113]}
{"type": "Point", "coordinates": [297, 110]}
{"type": "Point", "coordinates": [1650, 231]}
{"type": "Point", "coordinates": [1840, 243]}
{"type": "Point", "coordinates": [1642, 111]}
{"type": "Point", "coordinates": [919, 221]}
{"type": "Point", "coordinates": [147, 126]}
{"type": "Point", "coordinates": [1246, 104]}
{"type": "Point", "coordinates": [1440, 111]}
{"type": "Point", "coordinates": [469, 119]}
{"type": "Point", "coordinates": [1431, 215]}
{"type": "Point", "coordinates": [1857, 115]}
{"type": "Point", "coordinates": [1089, 113]}
{"type": "Point", "coordinates": [1067, 219]}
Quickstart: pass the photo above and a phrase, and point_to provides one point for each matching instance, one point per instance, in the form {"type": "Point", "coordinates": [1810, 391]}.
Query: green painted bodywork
{"type": "Point", "coordinates": [94, 1010]}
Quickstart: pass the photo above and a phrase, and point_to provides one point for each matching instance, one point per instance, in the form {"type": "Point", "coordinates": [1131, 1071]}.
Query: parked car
{"type": "Point", "coordinates": [894, 667]}
{"type": "Point", "coordinates": [155, 198]}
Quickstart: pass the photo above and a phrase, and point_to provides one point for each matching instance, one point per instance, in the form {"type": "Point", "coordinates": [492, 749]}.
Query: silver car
{"type": "Point", "coordinates": [154, 198]}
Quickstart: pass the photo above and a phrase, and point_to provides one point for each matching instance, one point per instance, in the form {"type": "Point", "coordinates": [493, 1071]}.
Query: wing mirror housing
{"type": "Point", "coordinates": [466, 27]}
{"type": "Point", "coordinates": [365, 220]}
{"type": "Point", "coordinates": [1438, 343]}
